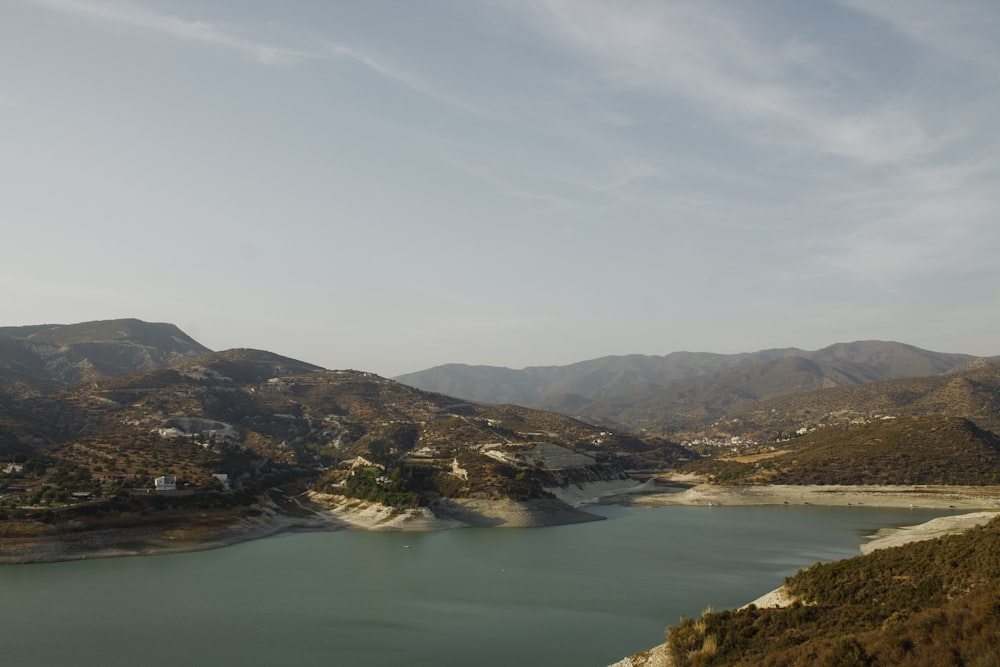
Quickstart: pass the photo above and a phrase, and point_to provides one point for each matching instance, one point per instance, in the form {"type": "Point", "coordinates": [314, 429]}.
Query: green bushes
{"type": "Point", "coordinates": [369, 483]}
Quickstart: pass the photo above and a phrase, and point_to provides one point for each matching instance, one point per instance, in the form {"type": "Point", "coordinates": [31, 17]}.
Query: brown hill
{"type": "Point", "coordinates": [38, 359]}
{"type": "Point", "coordinates": [973, 393]}
{"type": "Point", "coordinates": [896, 451]}
{"type": "Point", "coordinates": [910, 450]}
{"type": "Point", "coordinates": [684, 404]}
{"type": "Point", "coordinates": [263, 420]}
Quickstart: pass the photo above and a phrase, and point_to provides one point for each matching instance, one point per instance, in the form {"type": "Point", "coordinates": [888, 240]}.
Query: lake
{"type": "Point", "coordinates": [586, 594]}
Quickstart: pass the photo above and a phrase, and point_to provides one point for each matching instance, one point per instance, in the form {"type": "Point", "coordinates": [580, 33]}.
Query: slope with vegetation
{"type": "Point", "coordinates": [38, 359]}
{"type": "Point", "coordinates": [972, 391]}
{"type": "Point", "coordinates": [903, 451]}
{"type": "Point", "coordinates": [235, 424]}
{"type": "Point", "coordinates": [926, 603]}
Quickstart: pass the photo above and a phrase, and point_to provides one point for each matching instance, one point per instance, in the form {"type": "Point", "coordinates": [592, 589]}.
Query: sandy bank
{"type": "Point", "coordinates": [933, 497]}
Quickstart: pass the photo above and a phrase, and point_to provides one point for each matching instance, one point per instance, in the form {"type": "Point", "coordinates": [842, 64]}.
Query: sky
{"type": "Point", "coordinates": [389, 186]}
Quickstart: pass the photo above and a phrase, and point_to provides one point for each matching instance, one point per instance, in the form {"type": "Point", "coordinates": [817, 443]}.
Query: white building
{"type": "Point", "coordinates": [166, 483]}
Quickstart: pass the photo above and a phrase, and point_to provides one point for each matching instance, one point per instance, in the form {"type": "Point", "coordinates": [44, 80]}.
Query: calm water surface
{"type": "Point", "coordinates": [578, 595]}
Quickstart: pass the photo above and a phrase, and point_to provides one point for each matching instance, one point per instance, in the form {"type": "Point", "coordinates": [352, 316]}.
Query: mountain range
{"type": "Point", "coordinates": [141, 400]}
{"type": "Point", "coordinates": [92, 413]}
{"type": "Point", "coordinates": [248, 442]}
{"type": "Point", "coordinates": [683, 390]}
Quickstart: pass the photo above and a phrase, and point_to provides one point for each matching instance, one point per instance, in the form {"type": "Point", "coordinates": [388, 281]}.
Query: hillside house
{"type": "Point", "coordinates": [166, 483]}
{"type": "Point", "coordinates": [111, 477]}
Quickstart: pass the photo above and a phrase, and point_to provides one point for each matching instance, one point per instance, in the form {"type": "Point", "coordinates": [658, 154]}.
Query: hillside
{"type": "Point", "coordinates": [660, 394]}
{"type": "Point", "coordinates": [921, 604]}
{"type": "Point", "coordinates": [897, 451]}
{"type": "Point", "coordinates": [91, 414]}
{"type": "Point", "coordinates": [972, 392]}
{"type": "Point", "coordinates": [38, 359]}
{"type": "Point", "coordinates": [264, 420]}
{"type": "Point", "coordinates": [685, 404]}
{"type": "Point", "coordinates": [914, 450]}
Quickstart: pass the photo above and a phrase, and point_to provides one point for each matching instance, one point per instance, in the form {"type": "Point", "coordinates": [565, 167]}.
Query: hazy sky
{"type": "Point", "coordinates": [388, 186]}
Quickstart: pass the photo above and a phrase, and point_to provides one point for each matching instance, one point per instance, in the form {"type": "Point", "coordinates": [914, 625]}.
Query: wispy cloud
{"type": "Point", "coordinates": [711, 54]}
{"type": "Point", "coordinates": [136, 17]}
{"type": "Point", "coordinates": [965, 30]}
{"type": "Point", "coordinates": [928, 220]}
{"type": "Point", "coordinates": [388, 69]}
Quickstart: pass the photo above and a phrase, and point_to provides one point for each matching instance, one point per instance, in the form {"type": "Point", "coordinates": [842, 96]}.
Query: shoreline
{"type": "Point", "coordinates": [315, 513]}
{"type": "Point", "coordinates": [142, 540]}
{"type": "Point", "coordinates": [884, 538]}
{"type": "Point", "coordinates": [321, 512]}
{"type": "Point", "coordinates": [916, 496]}
{"type": "Point", "coordinates": [887, 538]}
{"type": "Point", "coordinates": [449, 514]}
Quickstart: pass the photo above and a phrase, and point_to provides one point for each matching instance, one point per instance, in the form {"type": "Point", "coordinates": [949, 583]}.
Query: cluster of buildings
{"type": "Point", "coordinates": [734, 442]}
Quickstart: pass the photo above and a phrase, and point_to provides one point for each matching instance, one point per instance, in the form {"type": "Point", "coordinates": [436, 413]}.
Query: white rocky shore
{"type": "Point", "coordinates": [945, 525]}
{"type": "Point", "coordinates": [446, 513]}
{"type": "Point", "coordinates": [585, 493]}
{"type": "Point", "coordinates": [923, 496]}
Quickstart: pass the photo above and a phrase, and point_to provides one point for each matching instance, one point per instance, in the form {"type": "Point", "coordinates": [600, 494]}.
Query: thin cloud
{"type": "Point", "coordinates": [385, 70]}
{"type": "Point", "coordinates": [142, 19]}
{"type": "Point", "coordinates": [965, 30]}
{"type": "Point", "coordinates": [131, 15]}
{"type": "Point", "coordinates": [927, 220]}
{"type": "Point", "coordinates": [710, 54]}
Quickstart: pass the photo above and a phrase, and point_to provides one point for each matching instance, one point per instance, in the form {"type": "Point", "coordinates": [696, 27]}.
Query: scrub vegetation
{"type": "Point", "coordinates": [922, 604]}
{"type": "Point", "coordinates": [902, 451]}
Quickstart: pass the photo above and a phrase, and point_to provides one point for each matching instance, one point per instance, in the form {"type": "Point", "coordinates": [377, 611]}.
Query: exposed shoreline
{"type": "Point", "coordinates": [320, 512]}
{"type": "Point", "coordinates": [917, 496]}
{"type": "Point", "coordinates": [315, 513]}
{"type": "Point", "coordinates": [144, 540]}
{"type": "Point", "coordinates": [447, 514]}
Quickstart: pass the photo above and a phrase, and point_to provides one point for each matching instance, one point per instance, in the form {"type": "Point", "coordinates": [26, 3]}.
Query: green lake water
{"type": "Point", "coordinates": [580, 595]}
